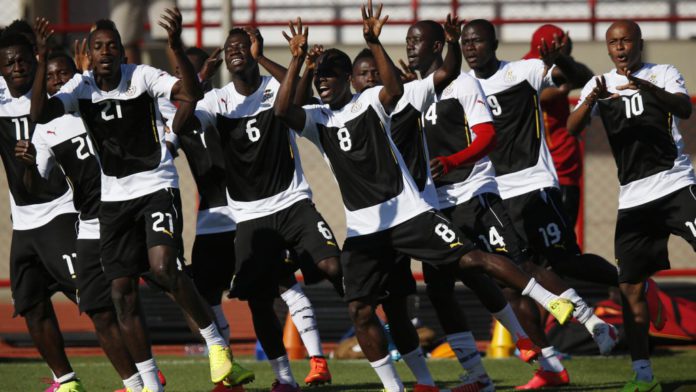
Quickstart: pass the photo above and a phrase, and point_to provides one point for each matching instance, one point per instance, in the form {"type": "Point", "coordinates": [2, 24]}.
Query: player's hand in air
{"type": "Point", "coordinates": [312, 57]}
{"type": "Point", "coordinates": [43, 33]}
{"type": "Point", "coordinates": [172, 23]}
{"type": "Point", "coordinates": [453, 29]}
{"type": "Point", "coordinates": [256, 40]}
{"type": "Point", "coordinates": [372, 24]}
{"type": "Point", "coordinates": [297, 41]}
{"type": "Point", "coordinates": [211, 65]}
{"type": "Point", "coordinates": [550, 51]}
{"type": "Point", "coordinates": [80, 55]}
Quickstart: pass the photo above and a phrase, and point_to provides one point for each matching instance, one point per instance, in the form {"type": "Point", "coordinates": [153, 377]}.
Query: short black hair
{"type": "Point", "coordinates": [237, 30]}
{"type": "Point", "coordinates": [15, 39]}
{"type": "Point", "coordinates": [59, 54]}
{"type": "Point", "coordinates": [104, 25]}
{"type": "Point", "coordinates": [435, 28]}
{"type": "Point", "coordinates": [339, 58]}
{"type": "Point", "coordinates": [487, 26]}
{"type": "Point", "coordinates": [19, 26]}
{"type": "Point", "coordinates": [364, 54]}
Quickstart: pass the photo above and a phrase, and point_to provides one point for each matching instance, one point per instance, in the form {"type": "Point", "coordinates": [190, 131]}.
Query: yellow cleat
{"type": "Point", "coordinates": [239, 375]}
{"type": "Point", "coordinates": [561, 309]}
{"type": "Point", "coordinates": [220, 363]}
{"type": "Point", "coordinates": [72, 386]}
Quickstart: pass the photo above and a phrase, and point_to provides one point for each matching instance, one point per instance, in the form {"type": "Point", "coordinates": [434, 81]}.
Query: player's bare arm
{"type": "Point", "coordinates": [188, 88]}
{"type": "Point", "coordinates": [580, 118]}
{"type": "Point", "coordinates": [43, 109]}
{"type": "Point", "coordinates": [567, 69]}
{"type": "Point", "coordinates": [452, 65]}
{"type": "Point", "coordinates": [292, 115]}
{"type": "Point", "coordinates": [372, 27]}
{"type": "Point", "coordinates": [25, 152]}
{"type": "Point", "coordinates": [677, 103]}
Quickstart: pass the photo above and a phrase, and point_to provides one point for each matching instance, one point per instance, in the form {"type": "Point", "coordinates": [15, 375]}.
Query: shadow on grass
{"type": "Point", "coordinates": [20, 360]}
{"type": "Point", "coordinates": [333, 388]}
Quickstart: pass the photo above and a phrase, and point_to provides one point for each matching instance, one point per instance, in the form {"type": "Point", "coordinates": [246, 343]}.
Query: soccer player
{"type": "Point", "coordinates": [42, 252]}
{"type": "Point", "coordinates": [385, 212]}
{"type": "Point", "coordinates": [118, 104]}
{"type": "Point", "coordinates": [640, 105]}
{"type": "Point", "coordinates": [528, 185]}
{"type": "Point", "coordinates": [269, 196]}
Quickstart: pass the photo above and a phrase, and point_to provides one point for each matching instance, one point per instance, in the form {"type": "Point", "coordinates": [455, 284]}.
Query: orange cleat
{"type": "Point", "coordinates": [528, 350]}
{"type": "Point", "coordinates": [655, 307]}
{"type": "Point", "coordinates": [162, 380]}
{"type": "Point", "coordinates": [318, 372]}
{"type": "Point", "coordinates": [543, 379]}
{"type": "Point", "coordinates": [425, 388]}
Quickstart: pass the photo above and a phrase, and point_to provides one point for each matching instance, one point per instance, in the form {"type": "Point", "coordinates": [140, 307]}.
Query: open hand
{"type": "Point", "coordinates": [211, 65]}
{"type": "Point", "coordinates": [298, 39]}
{"type": "Point", "coordinates": [372, 24]}
{"type": "Point", "coordinates": [550, 51]}
{"type": "Point", "coordinates": [43, 32]}
{"type": "Point", "coordinates": [172, 23]}
{"type": "Point", "coordinates": [635, 83]}
{"type": "Point", "coordinates": [599, 92]}
{"type": "Point", "coordinates": [453, 29]}
{"type": "Point", "coordinates": [80, 56]}
{"type": "Point", "coordinates": [314, 53]}
{"type": "Point", "coordinates": [256, 40]}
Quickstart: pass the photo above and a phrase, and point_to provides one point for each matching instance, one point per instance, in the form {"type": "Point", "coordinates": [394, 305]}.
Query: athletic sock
{"type": "Point", "coordinates": [643, 370]}
{"type": "Point", "coordinates": [387, 374]}
{"type": "Point", "coordinates": [148, 372]}
{"type": "Point", "coordinates": [302, 313]}
{"type": "Point", "coordinates": [65, 378]}
{"type": "Point", "coordinates": [549, 361]}
{"type": "Point", "coordinates": [583, 312]}
{"type": "Point", "coordinates": [212, 336]}
{"type": "Point", "coordinates": [134, 383]}
{"type": "Point", "coordinates": [221, 320]}
{"type": "Point", "coordinates": [538, 293]}
{"type": "Point", "coordinates": [415, 360]}
{"type": "Point", "coordinates": [281, 368]}
{"type": "Point", "coordinates": [464, 347]}
{"type": "Point", "coordinates": [507, 317]}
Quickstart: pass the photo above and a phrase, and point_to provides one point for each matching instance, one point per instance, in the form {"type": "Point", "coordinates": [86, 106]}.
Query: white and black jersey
{"type": "Point", "coordinates": [205, 158]}
{"type": "Point", "coordinates": [127, 130]}
{"type": "Point", "coordinates": [521, 158]}
{"type": "Point", "coordinates": [64, 142]}
{"type": "Point", "coordinates": [29, 210]}
{"type": "Point", "coordinates": [448, 121]}
{"type": "Point", "coordinates": [264, 173]}
{"type": "Point", "coordinates": [644, 137]}
{"type": "Point", "coordinates": [407, 133]}
{"type": "Point", "coordinates": [377, 190]}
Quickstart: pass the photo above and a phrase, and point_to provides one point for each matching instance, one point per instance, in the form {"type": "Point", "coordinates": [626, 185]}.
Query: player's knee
{"type": "Point", "coordinates": [37, 313]}
{"type": "Point", "coordinates": [360, 312]}
{"type": "Point", "coordinates": [102, 319]}
{"type": "Point", "coordinates": [331, 267]}
{"type": "Point", "coordinates": [472, 259]}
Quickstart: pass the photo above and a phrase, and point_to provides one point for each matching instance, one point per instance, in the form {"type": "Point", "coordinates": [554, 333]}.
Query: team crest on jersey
{"type": "Point", "coordinates": [356, 107]}
{"type": "Point", "coordinates": [652, 78]}
{"type": "Point", "coordinates": [130, 91]}
{"type": "Point", "coordinates": [268, 94]}
{"type": "Point", "coordinates": [510, 76]}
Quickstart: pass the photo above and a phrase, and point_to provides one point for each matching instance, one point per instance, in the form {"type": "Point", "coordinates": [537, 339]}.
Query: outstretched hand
{"type": "Point", "coordinates": [550, 51]}
{"type": "Point", "coordinates": [372, 24]}
{"type": "Point", "coordinates": [256, 40]}
{"type": "Point", "coordinates": [453, 29]}
{"type": "Point", "coordinates": [297, 41]}
{"type": "Point", "coordinates": [635, 83]}
{"type": "Point", "coordinates": [211, 65]}
{"type": "Point", "coordinates": [599, 92]}
{"type": "Point", "coordinates": [172, 23]}
{"type": "Point", "coordinates": [80, 55]}
{"type": "Point", "coordinates": [313, 55]}
{"type": "Point", "coordinates": [43, 32]}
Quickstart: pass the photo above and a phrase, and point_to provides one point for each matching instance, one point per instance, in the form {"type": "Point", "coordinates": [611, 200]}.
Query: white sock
{"type": "Point", "coordinates": [134, 383]}
{"type": "Point", "coordinates": [212, 336]}
{"type": "Point", "coordinates": [302, 313]}
{"type": "Point", "coordinates": [507, 317]}
{"type": "Point", "coordinates": [415, 360]}
{"type": "Point", "coordinates": [281, 368]}
{"type": "Point", "coordinates": [223, 325]}
{"type": "Point", "coordinates": [148, 372]}
{"type": "Point", "coordinates": [387, 374]}
{"type": "Point", "coordinates": [538, 293]}
{"type": "Point", "coordinates": [549, 361]}
{"type": "Point", "coordinates": [583, 312]}
{"type": "Point", "coordinates": [464, 347]}
{"type": "Point", "coordinates": [65, 378]}
{"type": "Point", "coordinates": [643, 370]}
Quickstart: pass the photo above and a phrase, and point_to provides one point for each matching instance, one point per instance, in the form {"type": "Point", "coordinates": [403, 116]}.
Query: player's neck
{"type": "Point", "coordinates": [247, 82]}
{"type": "Point", "coordinates": [17, 92]}
{"type": "Point", "coordinates": [434, 65]}
{"type": "Point", "coordinates": [634, 68]}
{"type": "Point", "coordinates": [108, 83]}
{"type": "Point", "coordinates": [487, 70]}
{"type": "Point", "coordinates": [342, 101]}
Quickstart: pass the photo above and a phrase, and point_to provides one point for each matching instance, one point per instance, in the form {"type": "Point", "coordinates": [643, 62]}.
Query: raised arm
{"type": "Point", "coordinates": [43, 109]}
{"type": "Point", "coordinates": [188, 88]}
{"type": "Point", "coordinates": [292, 115]}
{"type": "Point", "coordinates": [393, 88]}
{"type": "Point", "coordinates": [209, 69]}
{"type": "Point", "coordinates": [304, 87]}
{"type": "Point", "coordinates": [452, 66]}
{"type": "Point", "coordinates": [567, 69]}
{"type": "Point", "coordinates": [276, 70]}
{"type": "Point", "coordinates": [185, 120]}
{"type": "Point", "coordinates": [677, 103]}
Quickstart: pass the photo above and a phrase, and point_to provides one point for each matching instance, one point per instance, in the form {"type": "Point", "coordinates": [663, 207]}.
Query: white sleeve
{"type": "Point", "coordinates": [420, 93]}
{"type": "Point", "coordinates": [158, 83]}
{"type": "Point", "coordinates": [44, 155]}
{"type": "Point", "coordinates": [310, 130]}
{"type": "Point", "coordinates": [587, 90]}
{"type": "Point", "coordinates": [371, 97]}
{"type": "Point", "coordinates": [167, 110]}
{"type": "Point", "coordinates": [70, 93]}
{"type": "Point", "coordinates": [206, 110]}
{"type": "Point", "coordinates": [473, 100]}
{"type": "Point", "coordinates": [172, 138]}
{"type": "Point", "coordinates": [537, 74]}
{"type": "Point", "coordinates": [674, 81]}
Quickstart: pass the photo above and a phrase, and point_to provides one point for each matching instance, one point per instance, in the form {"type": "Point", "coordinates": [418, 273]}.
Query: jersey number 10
{"type": "Point", "coordinates": [634, 105]}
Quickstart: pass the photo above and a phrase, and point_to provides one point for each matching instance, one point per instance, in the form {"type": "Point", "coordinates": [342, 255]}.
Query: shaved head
{"type": "Point", "coordinates": [625, 45]}
{"type": "Point", "coordinates": [629, 25]}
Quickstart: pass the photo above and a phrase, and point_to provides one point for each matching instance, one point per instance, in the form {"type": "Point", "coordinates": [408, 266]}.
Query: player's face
{"type": "Point", "coordinates": [365, 75]}
{"type": "Point", "coordinates": [331, 83]}
{"type": "Point", "coordinates": [478, 48]}
{"type": "Point", "coordinates": [18, 64]}
{"type": "Point", "coordinates": [624, 46]}
{"type": "Point", "coordinates": [105, 53]}
{"type": "Point", "coordinates": [419, 47]}
{"type": "Point", "coordinates": [58, 72]}
{"type": "Point", "coordinates": [238, 53]}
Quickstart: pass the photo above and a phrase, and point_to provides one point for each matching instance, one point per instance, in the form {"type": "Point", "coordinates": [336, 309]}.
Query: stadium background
{"type": "Point", "coordinates": [669, 29]}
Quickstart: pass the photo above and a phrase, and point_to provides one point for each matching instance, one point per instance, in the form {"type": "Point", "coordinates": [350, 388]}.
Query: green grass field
{"type": "Point", "coordinates": [676, 370]}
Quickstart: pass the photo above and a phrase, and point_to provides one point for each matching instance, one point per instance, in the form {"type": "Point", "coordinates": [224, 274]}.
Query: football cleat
{"type": "Point", "coordinates": [528, 350]}
{"type": "Point", "coordinates": [425, 388]}
{"type": "Point", "coordinates": [655, 307]}
{"type": "Point", "coordinates": [606, 336]}
{"type": "Point", "coordinates": [278, 387]}
{"type": "Point", "coordinates": [53, 387]}
{"type": "Point", "coordinates": [71, 386]}
{"type": "Point", "coordinates": [318, 372]}
{"type": "Point", "coordinates": [221, 387]}
{"type": "Point", "coordinates": [220, 363]}
{"type": "Point", "coordinates": [162, 380]}
{"type": "Point", "coordinates": [642, 386]}
{"type": "Point", "coordinates": [239, 375]}
{"type": "Point", "coordinates": [543, 378]}
{"type": "Point", "coordinates": [482, 384]}
{"type": "Point", "coordinates": [561, 309]}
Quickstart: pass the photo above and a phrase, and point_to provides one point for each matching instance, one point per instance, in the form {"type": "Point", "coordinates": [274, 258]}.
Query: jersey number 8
{"type": "Point", "coordinates": [344, 139]}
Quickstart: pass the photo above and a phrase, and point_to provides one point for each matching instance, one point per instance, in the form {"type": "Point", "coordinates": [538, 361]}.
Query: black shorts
{"type": "Point", "coordinates": [129, 228]}
{"type": "Point", "coordinates": [484, 220]}
{"type": "Point", "coordinates": [367, 260]}
{"type": "Point", "coordinates": [400, 282]}
{"type": "Point", "coordinates": [212, 264]}
{"type": "Point", "coordinates": [93, 289]}
{"type": "Point", "coordinates": [640, 240]}
{"type": "Point", "coordinates": [261, 248]}
{"type": "Point", "coordinates": [42, 262]}
{"type": "Point", "coordinates": [541, 222]}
